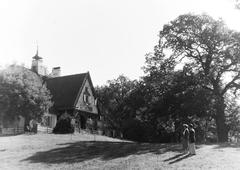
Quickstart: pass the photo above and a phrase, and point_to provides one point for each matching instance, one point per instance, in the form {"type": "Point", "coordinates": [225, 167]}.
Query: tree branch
{"type": "Point", "coordinates": [231, 84]}
{"type": "Point", "coordinates": [207, 88]}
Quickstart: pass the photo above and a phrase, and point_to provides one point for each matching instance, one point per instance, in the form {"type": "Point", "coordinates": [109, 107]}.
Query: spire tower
{"type": "Point", "coordinates": [37, 64]}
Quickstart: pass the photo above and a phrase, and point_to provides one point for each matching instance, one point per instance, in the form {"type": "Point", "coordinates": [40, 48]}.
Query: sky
{"type": "Point", "coordinates": [108, 38]}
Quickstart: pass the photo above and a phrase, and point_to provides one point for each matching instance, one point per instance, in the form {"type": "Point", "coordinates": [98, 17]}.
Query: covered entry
{"type": "Point", "coordinates": [80, 121]}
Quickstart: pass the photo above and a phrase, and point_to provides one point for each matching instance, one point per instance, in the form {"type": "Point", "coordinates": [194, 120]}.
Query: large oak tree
{"type": "Point", "coordinates": [211, 50]}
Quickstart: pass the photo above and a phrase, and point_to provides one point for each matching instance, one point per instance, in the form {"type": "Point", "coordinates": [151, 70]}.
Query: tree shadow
{"type": "Point", "coordinates": [104, 150]}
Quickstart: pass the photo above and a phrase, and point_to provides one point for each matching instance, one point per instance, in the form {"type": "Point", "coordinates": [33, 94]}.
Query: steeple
{"type": "Point", "coordinates": [37, 64]}
{"type": "Point", "coordinates": [36, 57]}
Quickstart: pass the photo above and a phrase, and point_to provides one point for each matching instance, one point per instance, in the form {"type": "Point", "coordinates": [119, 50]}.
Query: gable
{"type": "Point", "coordinates": [86, 100]}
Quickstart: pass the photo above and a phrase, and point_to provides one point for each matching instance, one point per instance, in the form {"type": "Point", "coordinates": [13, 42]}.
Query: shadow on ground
{"type": "Point", "coordinates": [178, 158]}
{"type": "Point", "coordinates": [87, 150]}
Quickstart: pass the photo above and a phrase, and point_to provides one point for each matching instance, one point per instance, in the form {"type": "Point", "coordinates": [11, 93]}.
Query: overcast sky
{"type": "Point", "coordinates": [105, 37]}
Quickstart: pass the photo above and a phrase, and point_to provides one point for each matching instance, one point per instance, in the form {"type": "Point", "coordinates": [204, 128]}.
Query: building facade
{"type": "Point", "coordinates": [73, 94]}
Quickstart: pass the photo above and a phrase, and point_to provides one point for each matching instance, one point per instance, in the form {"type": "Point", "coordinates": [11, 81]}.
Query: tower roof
{"type": "Point", "coordinates": [36, 57]}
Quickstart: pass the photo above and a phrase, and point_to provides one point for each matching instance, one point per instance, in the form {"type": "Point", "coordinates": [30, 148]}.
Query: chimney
{"type": "Point", "coordinates": [56, 72]}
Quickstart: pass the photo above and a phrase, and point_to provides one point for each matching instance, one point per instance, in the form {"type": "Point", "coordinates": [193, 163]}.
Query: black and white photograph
{"type": "Point", "coordinates": [120, 85]}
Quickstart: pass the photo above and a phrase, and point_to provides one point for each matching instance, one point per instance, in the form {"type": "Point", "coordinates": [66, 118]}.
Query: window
{"type": "Point", "coordinates": [86, 96]}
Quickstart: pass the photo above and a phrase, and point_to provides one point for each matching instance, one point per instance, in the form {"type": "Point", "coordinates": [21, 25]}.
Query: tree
{"type": "Point", "coordinates": [233, 115]}
{"type": "Point", "coordinates": [177, 96]}
{"type": "Point", "coordinates": [125, 103]}
{"type": "Point", "coordinates": [114, 97]}
{"type": "Point", "coordinates": [22, 94]}
{"type": "Point", "coordinates": [211, 50]}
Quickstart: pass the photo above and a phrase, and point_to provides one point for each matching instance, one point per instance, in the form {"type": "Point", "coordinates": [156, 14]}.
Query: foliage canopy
{"type": "Point", "coordinates": [22, 93]}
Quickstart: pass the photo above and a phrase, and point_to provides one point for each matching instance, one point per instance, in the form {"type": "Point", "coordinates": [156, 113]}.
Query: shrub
{"type": "Point", "coordinates": [65, 124]}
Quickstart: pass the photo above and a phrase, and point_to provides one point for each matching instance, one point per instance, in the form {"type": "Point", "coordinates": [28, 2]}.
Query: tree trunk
{"type": "Point", "coordinates": [222, 130]}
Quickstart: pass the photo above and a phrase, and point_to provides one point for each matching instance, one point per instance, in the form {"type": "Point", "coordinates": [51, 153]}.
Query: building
{"type": "Point", "coordinates": [73, 94]}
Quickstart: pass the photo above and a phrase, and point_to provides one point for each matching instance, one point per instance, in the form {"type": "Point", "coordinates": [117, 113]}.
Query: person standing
{"type": "Point", "coordinates": [192, 140]}
{"type": "Point", "coordinates": [185, 138]}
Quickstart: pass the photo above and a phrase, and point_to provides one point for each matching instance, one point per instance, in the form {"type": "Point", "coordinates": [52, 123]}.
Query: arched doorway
{"type": "Point", "coordinates": [82, 122]}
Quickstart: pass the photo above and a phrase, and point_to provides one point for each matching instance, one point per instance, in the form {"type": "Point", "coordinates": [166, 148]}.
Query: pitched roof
{"type": "Point", "coordinates": [66, 89]}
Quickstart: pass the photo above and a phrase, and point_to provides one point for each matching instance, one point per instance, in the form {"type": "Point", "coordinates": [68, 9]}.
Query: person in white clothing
{"type": "Point", "coordinates": [185, 139]}
{"type": "Point", "coordinates": [192, 140]}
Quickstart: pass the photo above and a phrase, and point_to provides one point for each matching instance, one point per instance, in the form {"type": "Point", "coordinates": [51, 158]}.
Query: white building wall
{"type": "Point", "coordinates": [38, 66]}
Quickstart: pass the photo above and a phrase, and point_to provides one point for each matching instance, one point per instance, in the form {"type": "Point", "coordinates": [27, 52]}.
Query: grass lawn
{"type": "Point", "coordinates": [83, 151]}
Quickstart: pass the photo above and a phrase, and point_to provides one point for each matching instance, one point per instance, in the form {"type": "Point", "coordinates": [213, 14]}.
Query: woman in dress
{"type": "Point", "coordinates": [185, 138]}
{"type": "Point", "coordinates": [192, 140]}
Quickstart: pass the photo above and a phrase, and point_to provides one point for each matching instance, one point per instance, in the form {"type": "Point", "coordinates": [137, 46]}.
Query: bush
{"type": "Point", "coordinates": [65, 124]}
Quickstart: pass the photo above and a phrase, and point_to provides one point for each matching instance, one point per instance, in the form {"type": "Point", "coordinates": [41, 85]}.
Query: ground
{"type": "Point", "coordinates": [85, 151]}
